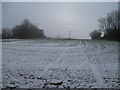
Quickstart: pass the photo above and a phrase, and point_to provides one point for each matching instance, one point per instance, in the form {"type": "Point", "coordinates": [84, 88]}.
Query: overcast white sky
{"type": "Point", "coordinates": [57, 18]}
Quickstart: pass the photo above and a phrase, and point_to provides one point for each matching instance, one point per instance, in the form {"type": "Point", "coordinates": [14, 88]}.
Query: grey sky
{"type": "Point", "coordinates": [57, 18]}
{"type": "Point", "coordinates": [0, 17]}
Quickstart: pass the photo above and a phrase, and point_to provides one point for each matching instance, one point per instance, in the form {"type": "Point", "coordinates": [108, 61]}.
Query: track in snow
{"type": "Point", "coordinates": [60, 64]}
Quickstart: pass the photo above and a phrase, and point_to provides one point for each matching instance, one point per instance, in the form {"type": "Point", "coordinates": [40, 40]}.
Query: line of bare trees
{"type": "Point", "coordinates": [110, 26]}
{"type": "Point", "coordinates": [23, 31]}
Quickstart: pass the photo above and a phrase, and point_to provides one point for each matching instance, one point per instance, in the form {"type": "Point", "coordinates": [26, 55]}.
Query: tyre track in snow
{"type": "Point", "coordinates": [56, 64]}
{"type": "Point", "coordinates": [49, 66]}
{"type": "Point", "coordinates": [93, 68]}
{"type": "Point", "coordinates": [96, 73]}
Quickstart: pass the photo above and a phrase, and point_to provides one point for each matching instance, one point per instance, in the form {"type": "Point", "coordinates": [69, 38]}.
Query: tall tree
{"type": "Point", "coordinates": [110, 22]}
{"type": "Point", "coordinates": [110, 25]}
{"type": "Point", "coordinates": [102, 24]}
{"type": "Point", "coordinates": [27, 30]}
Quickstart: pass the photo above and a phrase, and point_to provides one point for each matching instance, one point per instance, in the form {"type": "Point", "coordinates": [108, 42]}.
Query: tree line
{"type": "Point", "coordinates": [109, 26]}
{"type": "Point", "coordinates": [109, 29]}
{"type": "Point", "coordinates": [25, 30]}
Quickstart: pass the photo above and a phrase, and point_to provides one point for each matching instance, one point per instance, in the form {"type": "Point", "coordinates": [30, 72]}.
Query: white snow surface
{"type": "Point", "coordinates": [49, 63]}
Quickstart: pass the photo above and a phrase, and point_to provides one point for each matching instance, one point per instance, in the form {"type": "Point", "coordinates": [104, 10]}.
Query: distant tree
{"type": "Point", "coordinates": [27, 30]}
{"type": "Point", "coordinates": [58, 36]}
{"type": "Point", "coordinates": [6, 33]}
{"type": "Point", "coordinates": [95, 34]}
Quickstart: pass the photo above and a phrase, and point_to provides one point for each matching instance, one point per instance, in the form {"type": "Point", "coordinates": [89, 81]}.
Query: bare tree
{"type": "Point", "coordinates": [112, 20]}
{"type": "Point", "coordinates": [110, 25]}
{"type": "Point", "coordinates": [102, 24]}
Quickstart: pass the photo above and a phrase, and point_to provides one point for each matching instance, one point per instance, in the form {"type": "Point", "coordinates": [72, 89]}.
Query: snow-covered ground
{"type": "Point", "coordinates": [59, 64]}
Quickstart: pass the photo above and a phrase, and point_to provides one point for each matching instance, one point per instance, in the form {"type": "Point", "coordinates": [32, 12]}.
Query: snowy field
{"type": "Point", "coordinates": [48, 63]}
